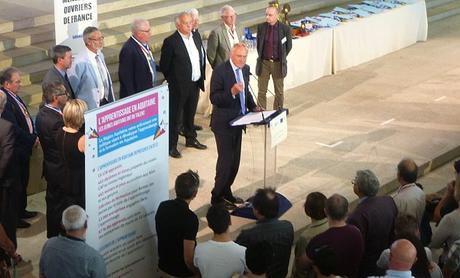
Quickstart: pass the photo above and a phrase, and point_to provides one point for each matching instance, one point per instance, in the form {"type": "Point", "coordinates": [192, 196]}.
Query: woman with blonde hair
{"type": "Point", "coordinates": [70, 141]}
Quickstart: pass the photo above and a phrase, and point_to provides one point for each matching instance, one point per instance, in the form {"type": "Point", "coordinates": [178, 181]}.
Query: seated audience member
{"type": "Point", "coordinates": [402, 256]}
{"type": "Point", "coordinates": [374, 216]}
{"type": "Point", "coordinates": [279, 233]}
{"type": "Point", "coordinates": [69, 256]}
{"type": "Point", "coordinates": [220, 256]}
{"type": "Point", "coordinates": [70, 141]}
{"type": "Point", "coordinates": [257, 260]}
{"type": "Point", "coordinates": [409, 198]}
{"type": "Point", "coordinates": [452, 265]}
{"type": "Point", "coordinates": [314, 208]}
{"type": "Point", "coordinates": [448, 230]}
{"type": "Point", "coordinates": [349, 251]}
{"type": "Point", "coordinates": [177, 227]}
{"type": "Point", "coordinates": [324, 262]}
{"type": "Point", "coordinates": [406, 227]}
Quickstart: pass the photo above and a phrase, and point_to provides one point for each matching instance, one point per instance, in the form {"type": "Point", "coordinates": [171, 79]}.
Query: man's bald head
{"type": "Point", "coordinates": [407, 171]}
{"type": "Point", "coordinates": [402, 255]}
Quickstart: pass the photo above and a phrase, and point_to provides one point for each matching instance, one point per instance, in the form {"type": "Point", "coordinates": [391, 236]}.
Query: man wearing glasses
{"type": "Point", "coordinates": [137, 67]}
{"type": "Point", "coordinates": [89, 77]}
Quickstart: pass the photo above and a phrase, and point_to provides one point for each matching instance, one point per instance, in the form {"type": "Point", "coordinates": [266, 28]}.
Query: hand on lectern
{"type": "Point", "coordinates": [237, 88]}
{"type": "Point", "coordinates": [258, 109]}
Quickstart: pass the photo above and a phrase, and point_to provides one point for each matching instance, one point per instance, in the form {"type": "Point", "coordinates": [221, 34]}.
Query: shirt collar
{"type": "Point", "coordinates": [316, 223]}
{"type": "Point", "coordinates": [229, 28]}
{"type": "Point", "coordinates": [62, 72]}
{"type": "Point", "coordinates": [233, 65]}
{"type": "Point", "coordinates": [184, 36]}
{"type": "Point", "coordinates": [399, 273]}
{"type": "Point", "coordinates": [91, 54]}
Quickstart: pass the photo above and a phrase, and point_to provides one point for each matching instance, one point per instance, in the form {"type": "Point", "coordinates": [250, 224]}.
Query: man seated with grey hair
{"type": "Point", "coordinates": [69, 256]}
{"type": "Point", "coordinates": [374, 216]}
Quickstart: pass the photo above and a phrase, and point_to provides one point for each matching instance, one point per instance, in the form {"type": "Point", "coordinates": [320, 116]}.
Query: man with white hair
{"type": "Point", "coordinates": [223, 37]}
{"type": "Point", "coordinates": [183, 67]}
{"type": "Point", "coordinates": [69, 256]}
{"type": "Point", "coordinates": [137, 68]}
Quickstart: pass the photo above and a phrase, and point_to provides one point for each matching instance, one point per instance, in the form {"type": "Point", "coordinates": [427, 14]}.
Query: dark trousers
{"type": "Point", "coordinates": [8, 214]}
{"type": "Point", "coordinates": [228, 163]}
{"type": "Point", "coordinates": [183, 99]}
{"type": "Point", "coordinates": [23, 178]}
{"type": "Point", "coordinates": [53, 211]}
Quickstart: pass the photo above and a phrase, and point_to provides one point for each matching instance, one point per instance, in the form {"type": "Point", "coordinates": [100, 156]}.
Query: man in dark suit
{"type": "Point", "coordinates": [62, 60]}
{"type": "Point", "coordinates": [231, 98]}
{"type": "Point", "coordinates": [49, 120]}
{"type": "Point", "coordinates": [137, 68]}
{"type": "Point", "coordinates": [374, 217]}
{"type": "Point", "coordinates": [274, 42]}
{"type": "Point", "coordinates": [25, 138]}
{"type": "Point", "coordinates": [182, 65]}
{"type": "Point", "coordinates": [8, 181]}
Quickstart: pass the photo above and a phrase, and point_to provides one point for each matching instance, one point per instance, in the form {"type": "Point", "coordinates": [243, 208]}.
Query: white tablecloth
{"type": "Point", "coordinates": [310, 58]}
{"type": "Point", "coordinates": [364, 39]}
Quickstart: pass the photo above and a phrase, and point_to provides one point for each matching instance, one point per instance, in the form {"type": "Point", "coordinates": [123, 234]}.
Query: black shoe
{"type": "Point", "coordinates": [229, 205]}
{"type": "Point", "coordinates": [29, 214]}
{"type": "Point", "coordinates": [174, 153]}
{"type": "Point", "coordinates": [22, 224]}
{"type": "Point", "coordinates": [197, 127]}
{"type": "Point", "coordinates": [195, 144]}
{"type": "Point", "coordinates": [235, 200]}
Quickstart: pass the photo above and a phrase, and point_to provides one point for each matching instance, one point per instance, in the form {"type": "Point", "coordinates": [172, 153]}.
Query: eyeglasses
{"type": "Point", "coordinates": [97, 39]}
{"type": "Point", "coordinates": [62, 94]}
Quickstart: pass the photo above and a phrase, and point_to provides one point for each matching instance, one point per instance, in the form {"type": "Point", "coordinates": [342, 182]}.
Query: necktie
{"type": "Point", "coordinates": [151, 62]}
{"type": "Point", "coordinates": [66, 77]}
{"type": "Point", "coordinates": [241, 94]}
{"type": "Point", "coordinates": [102, 73]}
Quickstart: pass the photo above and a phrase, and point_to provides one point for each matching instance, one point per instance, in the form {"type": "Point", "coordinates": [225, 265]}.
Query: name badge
{"type": "Point", "coordinates": [283, 40]}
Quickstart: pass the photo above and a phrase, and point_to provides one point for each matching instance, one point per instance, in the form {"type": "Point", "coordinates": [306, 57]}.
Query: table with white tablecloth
{"type": "Point", "coordinates": [329, 50]}
{"type": "Point", "coordinates": [364, 39]}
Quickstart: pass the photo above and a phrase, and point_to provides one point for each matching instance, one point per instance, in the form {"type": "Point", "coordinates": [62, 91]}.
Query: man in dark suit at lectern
{"type": "Point", "coordinates": [231, 98]}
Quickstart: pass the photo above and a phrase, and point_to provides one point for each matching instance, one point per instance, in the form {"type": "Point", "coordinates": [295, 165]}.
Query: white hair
{"type": "Point", "coordinates": [137, 23]}
{"type": "Point", "coordinates": [74, 218]}
{"type": "Point", "coordinates": [225, 9]}
{"type": "Point", "coordinates": [194, 13]}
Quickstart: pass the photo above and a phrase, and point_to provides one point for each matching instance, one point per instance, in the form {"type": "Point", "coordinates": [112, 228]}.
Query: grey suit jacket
{"type": "Point", "coordinates": [285, 45]}
{"type": "Point", "coordinates": [83, 80]}
{"type": "Point", "coordinates": [53, 75]}
{"type": "Point", "coordinates": [219, 45]}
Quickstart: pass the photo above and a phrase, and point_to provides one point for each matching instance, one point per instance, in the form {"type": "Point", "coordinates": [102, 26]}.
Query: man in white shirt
{"type": "Point", "coordinates": [182, 65]}
{"type": "Point", "coordinates": [89, 76]}
{"type": "Point", "coordinates": [220, 256]}
{"type": "Point", "coordinates": [409, 198]}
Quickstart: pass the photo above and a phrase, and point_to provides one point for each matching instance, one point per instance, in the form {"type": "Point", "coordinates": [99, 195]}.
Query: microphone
{"type": "Point", "coordinates": [250, 74]}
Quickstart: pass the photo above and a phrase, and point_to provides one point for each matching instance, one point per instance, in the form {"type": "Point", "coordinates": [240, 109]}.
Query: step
{"type": "Point", "coordinates": [443, 11]}
{"type": "Point", "coordinates": [435, 3]}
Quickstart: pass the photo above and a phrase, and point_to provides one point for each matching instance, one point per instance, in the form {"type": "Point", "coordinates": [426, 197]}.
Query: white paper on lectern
{"type": "Point", "coordinates": [278, 129]}
{"type": "Point", "coordinates": [252, 118]}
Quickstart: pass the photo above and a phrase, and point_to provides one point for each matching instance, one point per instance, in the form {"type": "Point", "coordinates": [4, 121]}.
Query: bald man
{"type": "Point", "coordinates": [402, 256]}
{"type": "Point", "coordinates": [409, 198]}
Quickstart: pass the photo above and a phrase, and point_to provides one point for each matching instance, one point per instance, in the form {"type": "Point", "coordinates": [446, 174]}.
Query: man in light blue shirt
{"type": "Point", "coordinates": [69, 256]}
{"type": "Point", "coordinates": [402, 256]}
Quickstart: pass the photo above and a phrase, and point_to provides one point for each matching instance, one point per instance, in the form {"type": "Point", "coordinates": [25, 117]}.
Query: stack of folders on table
{"type": "Point", "coordinates": [338, 14]}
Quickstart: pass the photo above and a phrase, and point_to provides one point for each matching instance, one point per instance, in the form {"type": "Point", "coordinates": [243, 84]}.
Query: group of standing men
{"type": "Point", "coordinates": [183, 63]}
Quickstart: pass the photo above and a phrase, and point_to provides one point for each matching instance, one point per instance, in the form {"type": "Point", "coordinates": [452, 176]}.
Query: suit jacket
{"type": "Point", "coordinates": [218, 46]}
{"type": "Point", "coordinates": [226, 107]}
{"type": "Point", "coordinates": [48, 122]}
{"type": "Point", "coordinates": [24, 140]}
{"type": "Point", "coordinates": [133, 70]}
{"type": "Point", "coordinates": [6, 149]}
{"type": "Point", "coordinates": [53, 75]}
{"type": "Point", "coordinates": [83, 80]}
{"type": "Point", "coordinates": [175, 61]}
{"type": "Point", "coordinates": [374, 217]}
{"type": "Point", "coordinates": [284, 47]}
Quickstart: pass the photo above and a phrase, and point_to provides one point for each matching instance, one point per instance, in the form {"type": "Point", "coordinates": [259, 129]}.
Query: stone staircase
{"type": "Point", "coordinates": [27, 36]}
{"type": "Point", "coordinates": [25, 42]}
